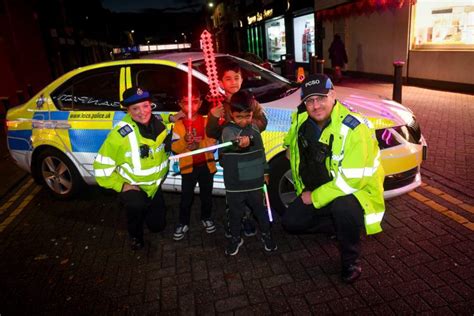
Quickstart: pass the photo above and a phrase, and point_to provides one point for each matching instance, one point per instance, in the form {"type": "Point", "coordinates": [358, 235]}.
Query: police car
{"type": "Point", "coordinates": [56, 135]}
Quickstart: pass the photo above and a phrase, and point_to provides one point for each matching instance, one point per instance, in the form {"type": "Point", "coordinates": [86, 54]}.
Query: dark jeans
{"type": "Point", "coordinates": [238, 203]}
{"type": "Point", "coordinates": [201, 175]}
{"type": "Point", "coordinates": [141, 209]}
{"type": "Point", "coordinates": [344, 214]}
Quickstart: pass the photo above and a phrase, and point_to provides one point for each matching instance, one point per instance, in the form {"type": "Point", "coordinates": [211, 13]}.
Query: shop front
{"type": "Point", "coordinates": [282, 32]}
{"type": "Point", "coordinates": [275, 35]}
{"type": "Point", "coordinates": [266, 34]}
{"type": "Point", "coordinates": [435, 39]}
{"type": "Point", "coordinates": [304, 37]}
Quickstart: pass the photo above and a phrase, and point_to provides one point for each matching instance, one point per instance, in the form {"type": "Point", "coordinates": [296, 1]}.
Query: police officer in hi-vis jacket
{"type": "Point", "coordinates": [134, 162]}
{"type": "Point", "coordinates": [335, 163]}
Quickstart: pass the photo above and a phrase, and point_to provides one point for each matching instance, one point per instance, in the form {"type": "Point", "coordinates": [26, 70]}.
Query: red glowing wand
{"type": "Point", "coordinates": [190, 96]}
{"type": "Point", "coordinates": [207, 47]}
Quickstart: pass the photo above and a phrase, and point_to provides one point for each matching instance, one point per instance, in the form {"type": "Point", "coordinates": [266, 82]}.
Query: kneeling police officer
{"type": "Point", "coordinates": [133, 161]}
{"type": "Point", "coordinates": [335, 162]}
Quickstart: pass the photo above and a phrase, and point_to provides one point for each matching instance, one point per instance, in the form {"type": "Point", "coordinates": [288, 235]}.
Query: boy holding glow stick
{"type": "Point", "coordinates": [189, 134]}
{"type": "Point", "coordinates": [245, 169]}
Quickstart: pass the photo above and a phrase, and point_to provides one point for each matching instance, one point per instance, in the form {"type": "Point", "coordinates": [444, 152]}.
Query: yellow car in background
{"type": "Point", "coordinates": [56, 135]}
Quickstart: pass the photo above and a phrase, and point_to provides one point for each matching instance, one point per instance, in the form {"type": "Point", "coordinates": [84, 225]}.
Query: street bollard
{"type": "Point", "coordinates": [397, 80]}
{"type": "Point", "coordinates": [4, 105]}
{"type": "Point", "coordinates": [320, 66]}
{"type": "Point", "coordinates": [290, 69]}
{"type": "Point", "coordinates": [21, 96]}
{"type": "Point", "coordinates": [313, 65]}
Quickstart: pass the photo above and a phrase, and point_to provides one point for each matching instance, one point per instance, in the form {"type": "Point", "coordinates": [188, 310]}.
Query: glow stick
{"type": "Point", "coordinates": [269, 210]}
{"type": "Point", "coordinates": [207, 47]}
{"type": "Point", "coordinates": [200, 150]}
{"type": "Point", "coordinates": [190, 90]}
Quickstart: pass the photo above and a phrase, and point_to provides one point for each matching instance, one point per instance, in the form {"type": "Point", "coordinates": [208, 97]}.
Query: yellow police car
{"type": "Point", "coordinates": [56, 135]}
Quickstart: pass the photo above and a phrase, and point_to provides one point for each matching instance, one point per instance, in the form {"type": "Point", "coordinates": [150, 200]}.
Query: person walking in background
{"type": "Point", "coordinates": [338, 56]}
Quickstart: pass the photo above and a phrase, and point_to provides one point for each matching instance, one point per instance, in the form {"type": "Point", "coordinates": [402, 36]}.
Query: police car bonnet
{"type": "Point", "coordinates": [316, 85]}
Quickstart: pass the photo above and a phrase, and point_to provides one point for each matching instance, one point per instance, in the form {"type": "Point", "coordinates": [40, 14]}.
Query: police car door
{"type": "Point", "coordinates": [88, 104]}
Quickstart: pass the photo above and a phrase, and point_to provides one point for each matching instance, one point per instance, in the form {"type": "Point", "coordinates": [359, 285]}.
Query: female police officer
{"type": "Point", "coordinates": [134, 162]}
{"type": "Point", "coordinates": [335, 162]}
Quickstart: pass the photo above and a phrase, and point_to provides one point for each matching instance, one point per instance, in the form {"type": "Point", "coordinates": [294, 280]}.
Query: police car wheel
{"type": "Point", "coordinates": [281, 189]}
{"type": "Point", "coordinates": [58, 173]}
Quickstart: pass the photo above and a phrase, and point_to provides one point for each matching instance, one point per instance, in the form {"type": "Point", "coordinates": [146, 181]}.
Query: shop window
{"type": "Point", "coordinates": [443, 25]}
{"type": "Point", "coordinates": [304, 38]}
{"type": "Point", "coordinates": [276, 39]}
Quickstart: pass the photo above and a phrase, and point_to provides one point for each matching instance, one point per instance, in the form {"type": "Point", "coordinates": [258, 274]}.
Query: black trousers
{"type": "Point", "coordinates": [141, 209]}
{"type": "Point", "coordinates": [239, 202]}
{"type": "Point", "coordinates": [205, 178]}
{"type": "Point", "coordinates": [345, 215]}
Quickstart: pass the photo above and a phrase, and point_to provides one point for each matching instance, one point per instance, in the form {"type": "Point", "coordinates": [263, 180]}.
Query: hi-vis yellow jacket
{"type": "Point", "coordinates": [119, 162]}
{"type": "Point", "coordinates": [354, 165]}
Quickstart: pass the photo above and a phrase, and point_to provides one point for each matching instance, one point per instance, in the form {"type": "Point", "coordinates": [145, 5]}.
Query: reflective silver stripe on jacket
{"type": "Point", "coordinates": [373, 218]}
{"type": "Point", "coordinates": [357, 173]}
{"type": "Point", "coordinates": [145, 172]}
{"type": "Point", "coordinates": [134, 148]}
{"type": "Point", "coordinates": [136, 169]}
{"type": "Point", "coordinates": [106, 172]}
{"type": "Point", "coordinates": [104, 160]}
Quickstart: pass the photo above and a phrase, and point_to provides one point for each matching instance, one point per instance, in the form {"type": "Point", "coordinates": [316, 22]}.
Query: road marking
{"type": "Point", "coordinates": [442, 209]}
{"type": "Point", "coordinates": [15, 197]}
{"type": "Point", "coordinates": [451, 199]}
{"type": "Point", "coordinates": [19, 209]}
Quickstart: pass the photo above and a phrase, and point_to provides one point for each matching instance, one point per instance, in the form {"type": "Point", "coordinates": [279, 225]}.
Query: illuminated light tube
{"type": "Point", "coordinates": [201, 150]}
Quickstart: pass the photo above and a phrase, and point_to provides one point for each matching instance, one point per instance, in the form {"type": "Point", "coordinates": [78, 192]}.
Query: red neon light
{"type": "Point", "coordinates": [190, 95]}
{"type": "Point", "coordinates": [211, 69]}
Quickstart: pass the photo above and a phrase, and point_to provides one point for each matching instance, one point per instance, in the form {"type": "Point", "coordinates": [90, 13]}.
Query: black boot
{"type": "Point", "coordinates": [351, 272]}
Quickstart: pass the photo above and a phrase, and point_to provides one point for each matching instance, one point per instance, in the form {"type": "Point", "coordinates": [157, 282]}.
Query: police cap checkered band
{"type": "Point", "coordinates": [317, 84]}
{"type": "Point", "coordinates": [134, 95]}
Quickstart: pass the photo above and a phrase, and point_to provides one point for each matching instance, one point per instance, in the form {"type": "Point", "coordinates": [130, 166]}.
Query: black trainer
{"type": "Point", "coordinates": [233, 247]}
{"type": "Point", "coordinates": [136, 243]}
{"type": "Point", "coordinates": [180, 231]}
{"type": "Point", "coordinates": [268, 242]}
{"type": "Point", "coordinates": [351, 273]}
{"type": "Point", "coordinates": [248, 226]}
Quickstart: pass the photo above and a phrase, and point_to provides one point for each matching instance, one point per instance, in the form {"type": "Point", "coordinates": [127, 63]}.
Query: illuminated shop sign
{"type": "Point", "coordinates": [260, 16]}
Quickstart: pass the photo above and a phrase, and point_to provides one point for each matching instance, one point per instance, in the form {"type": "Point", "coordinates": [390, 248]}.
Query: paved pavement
{"type": "Point", "coordinates": [61, 257]}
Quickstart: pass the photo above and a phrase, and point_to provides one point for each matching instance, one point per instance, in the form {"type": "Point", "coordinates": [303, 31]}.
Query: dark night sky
{"type": "Point", "coordinates": [138, 5]}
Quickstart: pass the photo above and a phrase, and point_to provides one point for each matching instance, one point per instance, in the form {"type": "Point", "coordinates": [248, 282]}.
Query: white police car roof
{"type": "Point", "coordinates": [179, 58]}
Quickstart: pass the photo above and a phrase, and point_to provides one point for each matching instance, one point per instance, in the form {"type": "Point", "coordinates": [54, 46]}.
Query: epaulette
{"type": "Point", "coordinates": [125, 130]}
{"type": "Point", "coordinates": [350, 121]}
